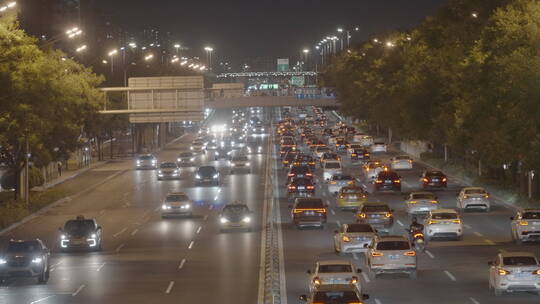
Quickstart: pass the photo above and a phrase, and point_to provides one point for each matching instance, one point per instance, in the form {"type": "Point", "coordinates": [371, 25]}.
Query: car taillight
{"type": "Point", "coordinates": [425, 180]}
{"type": "Point", "coordinates": [378, 181]}
{"type": "Point", "coordinates": [297, 210]}
{"type": "Point", "coordinates": [410, 253]}
{"type": "Point", "coordinates": [309, 174]}
{"type": "Point", "coordinates": [353, 154]}
{"type": "Point", "coordinates": [310, 187]}
{"type": "Point", "coordinates": [354, 280]}
{"type": "Point", "coordinates": [292, 187]}
{"type": "Point", "coordinates": [536, 272]}
{"type": "Point", "coordinates": [366, 154]}
{"type": "Point", "coordinates": [346, 238]}
{"type": "Point", "coordinates": [434, 202]}
{"type": "Point", "coordinates": [290, 174]}
{"type": "Point", "coordinates": [316, 281]}
{"type": "Point", "coordinates": [388, 214]}
{"type": "Point", "coordinates": [431, 222]}
{"type": "Point", "coordinates": [444, 180]}
{"type": "Point", "coordinates": [456, 221]}
{"type": "Point", "coordinates": [523, 223]}
{"type": "Point", "coordinates": [397, 181]}
{"type": "Point", "coordinates": [503, 272]}
{"type": "Point", "coordinates": [362, 215]}
{"type": "Point", "coordinates": [418, 235]}
{"type": "Point", "coordinates": [377, 254]}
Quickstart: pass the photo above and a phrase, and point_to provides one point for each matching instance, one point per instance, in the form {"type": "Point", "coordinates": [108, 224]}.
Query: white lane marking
{"type": "Point", "coordinates": [182, 264]}
{"type": "Point", "coordinates": [199, 229]}
{"type": "Point", "coordinates": [338, 223]}
{"type": "Point", "coordinates": [100, 267]}
{"type": "Point", "coordinates": [169, 288]}
{"type": "Point", "coordinates": [56, 264]}
{"type": "Point", "coordinates": [78, 290]}
{"type": "Point", "coordinates": [478, 234]}
{"type": "Point", "coordinates": [502, 251]}
{"type": "Point", "coordinates": [400, 223]}
{"type": "Point", "coordinates": [366, 278]}
{"type": "Point", "coordinates": [41, 300]}
{"type": "Point", "coordinates": [119, 232]}
{"type": "Point", "coordinates": [489, 242]}
{"type": "Point", "coordinates": [102, 211]}
{"type": "Point", "coordinates": [157, 209]}
{"type": "Point", "coordinates": [205, 217]}
{"type": "Point", "coordinates": [355, 256]}
{"type": "Point", "coordinates": [474, 301]}
{"type": "Point", "coordinates": [328, 202]}
{"type": "Point", "coordinates": [467, 226]}
{"type": "Point", "coordinates": [451, 276]}
{"type": "Point", "coordinates": [134, 232]}
{"type": "Point", "coordinates": [119, 248]}
{"type": "Point", "coordinates": [332, 211]}
{"type": "Point", "coordinates": [429, 254]}
{"type": "Point", "coordinates": [215, 198]}
{"type": "Point", "coordinates": [377, 301]}
{"type": "Point", "coordinates": [191, 244]}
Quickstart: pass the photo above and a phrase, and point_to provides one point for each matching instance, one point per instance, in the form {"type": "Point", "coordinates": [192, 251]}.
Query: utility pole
{"type": "Point", "coordinates": [26, 172]}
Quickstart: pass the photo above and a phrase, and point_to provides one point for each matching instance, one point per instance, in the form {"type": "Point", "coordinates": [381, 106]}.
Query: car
{"type": "Point", "coordinates": [25, 258]}
{"type": "Point", "coordinates": [319, 151]}
{"type": "Point", "coordinates": [80, 233]}
{"type": "Point", "coordinates": [316, 143]}
{"type": "Point", "coordinates": [335, 294]}
{"type": "Point", "coordinates": [388, 180]}
{"type": "Point", "coordinates": [366, 140]}
{"type": "Point", "coordinates": [514, 272]}
{"type": "Point", "coordinates": [299, 171]}
{"type": "Point", "coordinates": [372, 169]}
{"type": "Point", "coordinates": [526, 225]}
{"type": "Point", "coordinates": [207, 174]}
{"type": "Point", "coordinates": [443, 223]}
{"type": "Point", "coordinates": [338, 181]}
{"type": "Point", "coordinates": [378, 147]}
{"type": "Point", "coordinates": [284, 150]}
{"type": "Point", "coordinates": [359, 155]}
{"type": "Point", "coordinates": [240, 162]}
{"type": "Point", "coordinates": [391, 254]}
{"type": "Point", "coordinates": [146, 161]}
{"type": "Point", "coordinates": [168, 170]}
{"type": "Point", "coordinates": [330, 168]}
{"type": "Point", "coordinates": [353, 238]}
{"type": "Point", "coordinates": [222, 152]}
{"type": "Point", "coordinates": [351, 147]}
{"type": "Point", "coordinates": [401, 162]}
{"type": "Point", "coordinates": [304, 160]}
{"type": "Point", "coordinates": [309, 212]}
{"type": "Point", "coordinates": [351, 197]}
{"type": "Point", "coordinates": [289, 158]}
{"type": "Point", "coordinates": [377, 214]}
{"type": "Point", "coordinates": [334, 272]}
{"type": "Point", "coordinates": [330, 157]}
{"type": "Point", "coordinates": [254, 148]}
{"type": "Point", "coordinates": [213, 143]}
{"type": "Point", "coordinates": [176, 203]}
{"type": "Point", "coordinates": [421, 203]}
{"type": "Point", "coordinates": [236, 216]}
{"type": "Point", "coordinates": [186, 159]}
{"type": "Point", "coordinates": [473, 198]}
{"type": "Point", "coordinates": [433, 179]}
{"type": "Point", "coordinates": [341, 145]}
{"type": "Point", "coordinates": [300, 186]}
{"type": "Point", "coordinates": [197, 146]}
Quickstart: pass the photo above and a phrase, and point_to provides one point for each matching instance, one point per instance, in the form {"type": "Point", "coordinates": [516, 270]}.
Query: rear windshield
{"type": "Point", "coordinates": [146, 157]}
{"type": "Point", "coordinates": [444, 216]}
{"type": "Point", "coordinates": [402, 157]}
{"type": "Point", "coordinates": [475, 191]}
{"type": "Point", "coordinates": [379, 143]}
{"type": "Point", "coordinates": [168, 165]}
{"type": "Point", "coordinates": [393, 245]}
{"type": "Point", "coordinates": [520, 261]}
{"type": "Point", "coordinates": [311, 203]}
{"type": "Point", "coordinates": [359, 228]}
{"type": "Point", "coordinates": [390, 175]}
{"type": "Point", "coordinates": [435, 173]}
{"type": "Point", "coordinates": [352, 190]}
{"type": "Point", "coordinates": [342, 177]}
{"type": "Point", "coordinates": [177, 197]}
{"type": "Point", "coordinates": [423, 196]}
{"type": "Point", "coordinates": [240, 158]}
{"type": "Point", "coordinates": [79, 226]}
{"type": "Point", "coordinates": [322, 149]}
{"type": "Point", "coordinates": [332, 165]}
{"type": "Point", "coordinates": [381, 208]}
{"type": "Point", "coordinates": [531, 215]}
{"type": "Point", "coordinates": [207, 170]}
{"type": "Point", "coordinates": [334, 268]}
{"type": "Point", "coordinates": [186, 154]}
{"type": "Point", "coordinates": [29, 246]}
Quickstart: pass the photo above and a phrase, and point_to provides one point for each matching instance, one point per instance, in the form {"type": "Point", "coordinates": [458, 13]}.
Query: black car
{"type": "Point", "coordinates": [360, 155]}
{"type": "Point", "coordinates": [236, 216]}
{"type": "Point", "coordinates": [309, 212]}
{"type": "Point", "coordinates": [28, 259]}
{"type": "Point", "coordinates": [388, 180]}
{"type": "Point", "coordinates": [207, 174]}
{"type": "Point", "coordinates": [80, 233]}
{"type": "Point", "coordinates": [433, 179]}
{"type": "Point", "coordinates": [301, 186]}
{"type": "Point", "coordinates": [299, 171]}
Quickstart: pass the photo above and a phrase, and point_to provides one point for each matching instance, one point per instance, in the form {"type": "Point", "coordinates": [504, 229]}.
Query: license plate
{"type": "Point", "coordinates": [521, 274]}
{"type": "Point", "coordinates": [435, 180]}
{"type": "Point", "coordinates": [388, 182]}
{"type": "Point", "coordinates": [309, 213]}
{"type": "Point", "coordinates": [394, 257]}
{"type": "Point", "coordinates": [301, 188]}
{"type": "Point", "coordinates": [353, 197]}
{"type": "Point", "coordinates": [424, 209]}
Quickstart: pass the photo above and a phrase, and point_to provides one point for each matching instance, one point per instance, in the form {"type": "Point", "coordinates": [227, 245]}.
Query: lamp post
{"type": "Point", "coordinates": [340, 31]}
{"type": "Point", "coordinates": [209, 51]}
{"type": "Point", "coordinates": [177, 47]}
{"type": "Point", "coordinates": [112, 54]}
{"type": "Point", "coordinates": [306, 55]}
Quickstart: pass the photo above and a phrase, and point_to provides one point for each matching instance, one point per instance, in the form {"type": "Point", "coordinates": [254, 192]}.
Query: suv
{"type": "Point", "coordinates": [388, 180]}
{"type": "Point", "coordinates": [433, 179]}
{"type": "Point", "coordinates": [176, 203]}
{"type": "Point", "coordinates": [391, 254]}
{"type": "Point", "coordinates": [186, 159]}
{"type": "Point", "coordinates": [443, 223]}
{"type": "Point", "coordinates": [81, 233]}
{"type": "Point", "coordinates": [526, 226]}
{"type": "Point", "coordinates": [309, 212]}
{"type": "Point", "coordinates": [146, 161]}
{"type": "Point", "coordinates": [377, 214]}
{"type": "Point", "coordinates": [301, 186]}
{"type": "Point", "coordinates": [514, 271]}
{"type": "Point", "coordinates": [338, 181]}
{"type": "Point", "coordinates": [334, 272]}
{"type": "Point", "coordinates": [473, 198]}
{"type": "Point", "coordinates": [236, 216]}
{"type": "Point", "coordinates": [207, 174]}
{"type": "Point", "coordinates": [168, 170]}
{"type": "Point", "coordinates": [25, 259]}
{"type": "Point", "coordinates": [240, 162]}
{"type": "Point", "coordinates": [353, 238]}
{"type": "Point", "coordinates": [335, 294]}
{"type": "Point", "coordinates": [299, 171]}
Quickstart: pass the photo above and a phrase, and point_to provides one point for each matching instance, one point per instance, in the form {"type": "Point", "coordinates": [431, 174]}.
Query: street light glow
{"type": "Point", "coordinates": [113, 52]}
{"type": "Point", "coordinates": [8, 6]}
{"type": "Point", "coordinates": [474, 15]}
{"type": "Point", "coordinates": [177, 46]}
{"type": "Point", "coordinates": [132, 45]}
{"type": "Point", "coordinates": [81, 48]}
{"type": "Point", "coordinates": [306, 51]}
{"type": "Point", "coordinates": [148, 57]}
{"type": "Point", "coordinates": [208, 49]}
{"type": "Point", "coordinates": [340, 30]}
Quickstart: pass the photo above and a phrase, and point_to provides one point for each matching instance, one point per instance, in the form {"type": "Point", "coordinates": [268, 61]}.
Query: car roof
{"type": "Point", "coordinates": [177, 193]}
{"type": "Point", "coordinates": [444, 211]}
{"type": "Point", "coordinates": [422, 192]}
{"type": "Point", "coordinates": [508, 254]}
{"type": "Point", "coordinates": [530, 210]}
{"type": "Point", "coordinates": [375, 204]}
{"type": "Point", "coordinates": [334, 262]}
{"type": "Point", "coordinates": [473, 188]}
{"type": "Point", "coordinates": [384, 238]}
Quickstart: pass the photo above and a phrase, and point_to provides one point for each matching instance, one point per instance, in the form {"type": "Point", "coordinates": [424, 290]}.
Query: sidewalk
{"type": "Point", "coordinates": [67, 175]}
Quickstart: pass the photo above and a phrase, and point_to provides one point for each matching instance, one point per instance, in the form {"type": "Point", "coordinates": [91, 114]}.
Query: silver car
{"type": "Point", "coordinates": [419, 203]}
{"type": "Point", "coordinates": [377, 214]}
{"type": "Point", "coordinates": [197, 146]}
{"type": "Point", "coordinates": [146, 161]}
{"type": "Point", "coordinates": [401, 162]}
{"type": "Point", "coordinates": [473, 198]}
{"type": "Point", "coordinates": [353, 238]}
{"type": "Point", "coordinates": [338, 181]}
{"type": "Point", "coordinates": [514, 271]}
{"type": "Point", "coordinates": [333, 273]}
{"type": "Point", "coordinates": [378, 147]}
{"type": "Point", "coordinates": [25, 259]}
{"type": "Point", "coordinates": [186, 159]}
{"type": "Point", "coordinates": [391, 254]}
{"type": "Point", "coordinates": [240, 162]}
{"type": "Point", "coordinates": [176, 203]}
{"type": "Point", "coordinates": [168, 170]}
{"type": "Point", "coordinates": [443, 223]}
{"type": "Point", "coordinates": [526, 226]}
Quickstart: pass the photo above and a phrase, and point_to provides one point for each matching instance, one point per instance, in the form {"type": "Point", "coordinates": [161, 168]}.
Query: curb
{"type": "Point", "coordinates": [79, 172]}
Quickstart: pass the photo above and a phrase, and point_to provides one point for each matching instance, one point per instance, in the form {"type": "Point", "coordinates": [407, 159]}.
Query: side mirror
{"type": "Point", "coordinates": [303, 298]}
{"type": "Point", "coordinates": [99, 228]}
{"type": "Point", "coordinates": [365, 297]}
{"type": "Point", "coordinates": [490, 263]}
{"type": "Point", "coordinates": [358, 270]}
{"type": "Point", "coordinates": [308, 271]}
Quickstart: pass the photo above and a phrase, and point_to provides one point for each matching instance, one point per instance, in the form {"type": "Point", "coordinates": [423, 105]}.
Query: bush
{"type": "Point", "coordinates": [36, 179]}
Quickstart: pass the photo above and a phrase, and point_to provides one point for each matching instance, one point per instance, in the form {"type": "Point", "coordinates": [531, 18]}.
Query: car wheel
{"type": "Point", "coordinates": [413, 275]}
{"type": "Point", "coordinates": [43, 277]}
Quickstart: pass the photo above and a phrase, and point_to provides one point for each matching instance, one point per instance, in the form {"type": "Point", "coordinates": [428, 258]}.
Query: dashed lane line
{"type": "Point", "coordinates": [182, 264]}
{"type": "Point", "coordinates": [338, 223]}
{"type": "Point", "coordinates": [332, 211]}
{"type": "Point", "coordinates": [400, 223]}
{"type": "Point", "coordinates": [199, 229]}
{"type": "Point", "coordinates": [366, 277]}
{"type": "Point", "coordinates": [355, 255]}
{"type": "Point", "coordinates": [450, 275]}
{"type": "Point", "coordinates": [478, 234]}
{"type": "Point", "coordinates": [120, 248]}
{"type": "Point", "coordinates": [134, 232]}
{"type": "Point", "coordinates": [169, 287]}
{"type": "Point", "coordinates": [78, 290]}
{"type": "Point", "coordinates": [119, 232]}
{"type": "Point", "coordinates": [100, 267]}
{"type": "Point", "coordinates": [205, 217]}
{"type": "Point", "coordinates": [474, 301]}
{"type": "Point", "coordinates": [42, 299]}
{"type": "Point", "coordinates": [429, 254]}
{"type": "Point", "coordinates": [377, 301]}
{"type": "Point", "coordinates": [489, 242]}
{"type": "Point", "coordinates": [191, 244]}
{"type": "Point", "coordinates": [467, 226]}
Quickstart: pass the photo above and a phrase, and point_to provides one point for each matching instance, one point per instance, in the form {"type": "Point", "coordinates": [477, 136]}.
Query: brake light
{"type": "Point", "coordinates": [410, 253]}
{"type": "Point", "coordinates": [341, 196]}
{"type": "Point", "coordinates": [536, 272]}
{"type": "Point", "coordinates": [333, 182]}
{"type": "Point", "coordinates": [291, 174]}
{"type": "Point", "coordinates": [434, 202]}
{"type": "Point", "coordinates": [366, 154]}
{"type": "Point", "coordinates": [310, 187]}
{"type": "Point", "coordinates": [316, 281]}
{"type": "Point", "coordinates": [297, 210]}
{"type": "Point", "coordinates": [418, 235]}
{"type": "Point", "coordinates": [377, 254]}
{"type": "Point", "coordinates": [456, 221]}
{"type": "Point", "coordinates": [346, 238]}
{"type": "Point", "coordinates": [362, 215]}
{"type": "Point", "coordinates": [397, 181]}
{"type": "Point", "coordinates": [388, 214]}
{"type": "Point", "coordinates": [413, 202]}
{"type": "Point", "coordinates": [292, 187]}
{"type": "Point", "coordinates": [378, 181]}
{"type": "Point", "coordinates": [444, 179]}
{"type": "Point", "coordinates": [431, 222]}
{"type": "Point", "coordinates": [353, 154]}
{"type": "Point", "coordinates": [503, 272]}
{"type": "Point", "coordinates": [354, 280]}
{"type": "Point", "coordinates": [523, 223]}
{"type": "Point", "coordinates": [309, 174]}
{"type": "Point", "coordinates": [425, 180]}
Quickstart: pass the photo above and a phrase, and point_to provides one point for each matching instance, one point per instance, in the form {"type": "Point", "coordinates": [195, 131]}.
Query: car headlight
{"type": "Point", "coordinates": [233, 164]}
{"type": "Point", "coordinates": [138, 162]}
{"type": "Point", "coordinates": [247, 164]}
{"type": "Point", "coordinates": [160, 172]}
{"type": "Point", "coordinates": [154, 161]}
{"type": "Point", "coordinates": [178, 160]}
{"type": "Point", "coordinates": [216, 175]}
{"type": "Point", "coordinates": [192, 159]}
{"type": "Point", "coordinates": [3, 261]}
{"type": "Point", "coordinates": [197, 176]}
{"type": "Point", "coordinates": [246, 219]}
{"type": "Point", "coordinates": [186, 206]}
{"type": "Point", "coordinates": [164, 207]}
{"type": "Point", "coordinates": [63, 236]}
{"type": "Point", "coordinates": [176, 171]}
{"type": "Point", "coordinates": [223, 220]}
{"type": "Point", "coordinates": [191, 148]}
{"type": "Point", "coordinates": [37, 260]}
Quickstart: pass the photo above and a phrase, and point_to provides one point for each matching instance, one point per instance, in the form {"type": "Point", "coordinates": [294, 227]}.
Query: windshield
{"type": "Point", "coordinates": [444, 216]}
{"type": "Point", "coordinates": [329, 165]}
{"type": "Point", "coordinates": [359, 228]}
{"type": "Point", "coordinates": [475, 191]}
{"type": "Point", "coordinates": [168, 166]}
{"type": "Point", "coordinates": [336, 297]}
{"type": "Point", "coordinates": [146, 157]}
{"type": "Point", "coordinates": [520, 261]}
{"type": "Point", "coordinates": [531, 216]}
{"type": "Point", "coordinates": [393, 245]}
{"type": "Point", "coordinates": [402, 158]}
{"type": "Point", "coordinates": [207, 170]}
{"type": "Point", "coordinates": [423, 196]}
{"type": "Point", "coordinates": [378, 208]}
{"type": "Point", "coordinates": [235, 209]}
{"type": "Point", "coordinates": [342, 177]}
{"type": "Point", "coordinates": [310, 203]}
{"type": "Point", "coordinates": [240, 158]}
{"type": "Point", "coordinates": [177, 197]}
{"type": "Point", "coordinates": [356, 190]}
{"type": "Point", "coordinates": [79, 226]}
{"type": "Point", "coordinates": [29, 246]}
{"type": "Point", "coordinates": [334, 268]}
{"type": "Point", "coordinates": [186, 154]}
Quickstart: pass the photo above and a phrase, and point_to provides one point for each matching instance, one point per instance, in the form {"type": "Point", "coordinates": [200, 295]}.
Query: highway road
{"type": "Point", "coordinates": [147, 259]}
{"type": "Point", "coordinates": [448, 272]}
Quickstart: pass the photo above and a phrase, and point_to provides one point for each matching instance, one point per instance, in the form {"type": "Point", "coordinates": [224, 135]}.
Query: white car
{"type": "Point", "coordinates": [353, 238]}
{"type": "Point", "coordinates": [514, 271]}
{"type": "Point", "coordinates": [421, 203]}
{"type": "Point", "coordinates": [197, 146]}
{"type": "Point", "coordinates": [378, 147]}
{"type": "Point", "coordinates": [473, 198]}
{"type": "Point", "coordinates": [338, 181]}
{"type": "Point", "coordinates": [443, 223]}
{"type": "Point", "coordinates": [526, 226]}
{"type": "Point", "coordinates": [240, 162]}
{"type": "Point", "coordinates": [176, 203]}
{"type": "Point", "coordinates": [337, 272]}
{"type": "Point", "coordinates": [330, 168]}
{"type": "Point", "coordinates": [401, 162]}
{"type": "Point", "coordinates": [391, 254]}
{"type": "Point", "coordinates": [319, 151]}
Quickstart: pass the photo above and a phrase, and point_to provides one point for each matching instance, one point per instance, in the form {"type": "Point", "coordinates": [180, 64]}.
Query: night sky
{"type": "Point", "coordinates": [238, 29]}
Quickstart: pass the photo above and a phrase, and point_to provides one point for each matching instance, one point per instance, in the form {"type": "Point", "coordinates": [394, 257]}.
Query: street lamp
{"type": "Point", "coordinates": [474, 14]}
{"type": "Point", "coordinates": [306, 53]}
{"type": "Point", "coordinates": [177, 47]}
{"type": "Point", "coordinates": [132, 45]}
{"type": "Point", "coordinates": [148, 57]}
{"type": "Point", "coordinates": [209, 51]}
{"type": "Point", "coordinates": [73, 32]}
{"type": "Point", "coordinates": [81, 48]}
{"type": "Point", "coordinates": [7, 6]}
{"type": "Point", "coordinates": [111, 54]}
